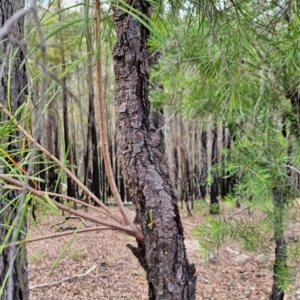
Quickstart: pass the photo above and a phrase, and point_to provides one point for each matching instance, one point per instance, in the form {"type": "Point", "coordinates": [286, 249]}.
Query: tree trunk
{"type": "Point", "coordinates": [280, 246]}
{"type": "Point", "coordinates": [95, 160]}
{"type": "Point", "coordinates": [13, 261]}
{"type": "Point", "coordinates": [204, 164]}
{"type": "Point", "coordinates": [214, 189]}
{"type": "Point", "coordinates": [91, 130]}
{"type": "Point", "coordinates": [162, 253]}
{"type": "Point", "coordinates": [71, 191]}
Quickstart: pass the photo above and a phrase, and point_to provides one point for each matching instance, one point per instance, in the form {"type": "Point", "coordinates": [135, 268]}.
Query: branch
{"type": "Point", "coordinates": [56, 235]}
{"type": "Point", "coordinates": [70, 217]}
{"type": "Point", "coordinates": [135, 232]}
{"type": "Point", "coordinates": [63, 280]}
{"type": "Point", "coordinates": [102, 124]}
{"type": "Point", "coordinates": [293, 168]}
{"type": "Point", "coordinates": [58, 162]}
{"type": "Point", "coordinates": [68, 198]}
{"type": "Point", "coordinates": [5, 29]}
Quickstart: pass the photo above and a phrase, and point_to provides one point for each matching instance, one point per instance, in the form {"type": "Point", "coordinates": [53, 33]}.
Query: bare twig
{"type": "Point", "coordinates": [60, 234]}
{"type": "Point", "coordinates": [71, 217]}
{"type": "Point", "coordinates": [291, 167]}
{"type": "Point", "coordinates": [63, 280]}
{"type": "Point", "coordinates": [238, 212]}
{"type": "Point", "coordinates": [4, 30]}
{"type": "Point", "coordinates": [102, 124]}
{"type": "Point", "coordinates": [58, 162]}
{"type": "Point", "coordinates": [70, 199]}
{"type": "Point", "coordinates": [136, 232]}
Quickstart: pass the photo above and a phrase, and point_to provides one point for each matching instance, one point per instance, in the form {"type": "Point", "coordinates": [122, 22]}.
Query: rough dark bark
{"type": "Point", "coordinates": [214, 189]}
{"type": "Point", "coordinates": [280, 245]}
{"type": "Point", "coordinates": [18, 83]}
{"type": "Point", "coordinates": [225, 180]}
{"type": "Point", "coordinates": [294, 117]}
{"type": "Point", "coordinates": [50, 141]}
{"type": "Point", "coordinates": [68, 144]}
{"type": "Point", "coordinates": [162, 253]}
{"type": "Point", "coordinates": [92, 140]}
{"type": "Point", "coordinates": [71, 189]}
{"type": "Point", "coordinates": [95, 160]}
{"type": "Point", "coordinates": [103, 179]}
{"type": "Point", "coordinates": [203, 171]}
{"type": "Point", "coordinates": [74, 169]}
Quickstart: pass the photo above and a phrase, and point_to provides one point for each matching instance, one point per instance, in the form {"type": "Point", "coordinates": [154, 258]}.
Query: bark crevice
{"type": "Point", "coordinates": [162, 253]}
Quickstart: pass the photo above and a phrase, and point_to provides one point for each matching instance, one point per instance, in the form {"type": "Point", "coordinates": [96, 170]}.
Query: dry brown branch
{"type": "Point", "coordinates": [102, 123]}
{"type": "Point", "coordinates": [69, 198]}
{"type": "Point", "coordinates": [56, 235]}
{"type": "Point", "coordinates": [43, 195]}
{"type": "Point", "coordinates": [58, 162]}
{"type": "Point", "coordinates": [70, 217]}
{"type": "Point", "coordinates": [63, 280]}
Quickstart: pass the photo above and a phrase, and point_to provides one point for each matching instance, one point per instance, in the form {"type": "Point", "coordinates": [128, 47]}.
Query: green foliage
{"type": "Point", "coordinates": [214, 208]}
{"type": "Point", "coordinates": [216, 231]}
{"type": "Point", "coordinates": [64, 251]}
{"type": "Point", "coordinates": [77, 254]}
{"type": "Point", "coordinates": [200, 205]}
{"type": "Point", "coordinates": [35, 258]}
{"type": "Point", "coordinates": [238, 63]}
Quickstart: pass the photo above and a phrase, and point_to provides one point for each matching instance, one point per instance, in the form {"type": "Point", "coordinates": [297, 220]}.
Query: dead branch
{"type": "Point", "coordinates": [63, 280]}
{"type": "Point", "coordinates": [136, 232]}
{"type": "Point", "coordinates": [56, 235]}
{"type": "Point", "coordinates": [58, 162]}
{"type": "Point", "coordinates": [102, 123]}
{"type": "Point", "coordinates": [70, 217]}
{"type": "Point", "coordinates": [69, 198]}
{"type": "Point", "coordinates": [5, 29]}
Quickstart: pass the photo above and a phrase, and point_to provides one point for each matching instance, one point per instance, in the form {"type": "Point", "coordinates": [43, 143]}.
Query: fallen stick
{"type": "Point", "coordinates": [56, 235]}
{"type": "Point", "coordinates": [63, 280]}
{"type": "Point", "coordinates": [70, 217]}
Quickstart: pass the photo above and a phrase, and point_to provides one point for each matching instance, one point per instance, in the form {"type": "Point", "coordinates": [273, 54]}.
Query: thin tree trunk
{"type": "Point", "coordinates": [91, 130]}
{"type": "Point", "coordinates": [103, 127]}
{"type": "Point", "coordinates": [204, 164]}
{"type": "Point", "coordinates": [175, 154]}
{"type": "Point", "coordinates": [13, 260]}
{"type": "Point", "coordinates": [50, 141]}
{"type": "Point", "coordinates": [162, 253]}
{"type": "Point", "coordinates": [280, 246]}
{"type": "Point", "coordinates": [95, 160]}
{"type": "Point", "coordinates": [68, 144]}
{"type": "Point", "coordinates": [214, 189]}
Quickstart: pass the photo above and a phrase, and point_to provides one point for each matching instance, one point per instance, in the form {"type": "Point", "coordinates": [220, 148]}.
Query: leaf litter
{"type": "Point", "coordinates": [98, 265]}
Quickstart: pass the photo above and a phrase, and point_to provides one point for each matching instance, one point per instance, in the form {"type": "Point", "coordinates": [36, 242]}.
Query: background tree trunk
{"type": "Point", "coordinates": [162, 254]}
{"type": "Point", "coordinates": [214, 189]}
{"type": "Point", "coordinates": [18, 83]}
{"type": "Point", "coordinates": [280, 245]}
{"type": "Point", "coordinates": [92, 140]}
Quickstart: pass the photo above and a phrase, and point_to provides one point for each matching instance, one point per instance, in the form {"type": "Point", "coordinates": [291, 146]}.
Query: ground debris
{"type": "Point", "coordinates": [117, 274]}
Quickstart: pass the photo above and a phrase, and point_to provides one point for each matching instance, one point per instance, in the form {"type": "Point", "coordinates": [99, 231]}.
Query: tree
{"type": "Point", "coordinates": [162, 253]}
{"type": "Point", "coordinates": [91, 131]}
{"type": "Point", "coordinates": [13, 90]}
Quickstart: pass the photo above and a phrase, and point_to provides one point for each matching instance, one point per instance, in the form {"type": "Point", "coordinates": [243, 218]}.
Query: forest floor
{"type": "Point", "coordinates": [98, 265]}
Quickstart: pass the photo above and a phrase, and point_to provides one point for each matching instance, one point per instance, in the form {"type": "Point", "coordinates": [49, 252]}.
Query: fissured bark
{"type": "Point", "coordinates": [162, 253]}
{"type": "Point", "coordinates": [9, 201]}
